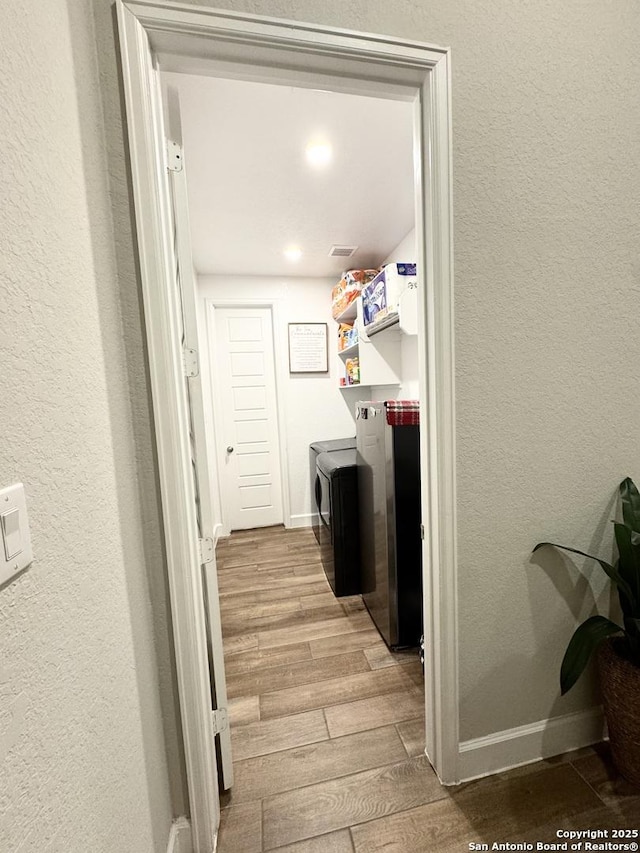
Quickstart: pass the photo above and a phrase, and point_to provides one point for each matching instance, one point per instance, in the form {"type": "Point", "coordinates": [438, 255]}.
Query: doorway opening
{"type": "Point", "coordinates": [300, 644]}
{"type": "Point", "coordinates": [188, 41]}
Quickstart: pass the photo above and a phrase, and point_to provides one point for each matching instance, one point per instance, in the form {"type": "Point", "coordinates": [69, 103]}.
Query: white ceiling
{"type": "Point", "coordinates": [252, 192]}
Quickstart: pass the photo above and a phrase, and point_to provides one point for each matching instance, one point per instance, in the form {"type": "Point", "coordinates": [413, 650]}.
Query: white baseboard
{"type": "Point", "coordinates": [218, 531]}
{"type": "Point", "coordinates": [180, 837]}
{"type": "Point", "coordinates": [513, 747]}
{"type": "Point", "coordinates": [302, 520]}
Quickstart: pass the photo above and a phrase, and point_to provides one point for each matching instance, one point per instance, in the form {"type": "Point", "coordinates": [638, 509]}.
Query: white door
{"type": "Point", "coordinates": [186, 283]}
{"type": "Point", "coordinates": [248, 446]}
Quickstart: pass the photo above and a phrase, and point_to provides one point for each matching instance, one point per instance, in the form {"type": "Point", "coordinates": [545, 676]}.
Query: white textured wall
{"type": "Point", "coordinates": [82, 750]}
{"type": "Point", "coordinates": [546, 124]}
{"type": "Point", "coordinates": [315, 408]}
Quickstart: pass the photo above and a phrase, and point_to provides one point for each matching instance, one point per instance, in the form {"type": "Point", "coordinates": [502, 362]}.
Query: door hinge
{"type": "Point", "coordinates": [220, 721]}
{"type": "Point", "coordinates": [422, 531]}
{"type": "Point", "coordinates": [191, 362]}
{"type": "Point", "coordinates": [174, 156]}
{"type": "Point", "coordinates": [205, 546]}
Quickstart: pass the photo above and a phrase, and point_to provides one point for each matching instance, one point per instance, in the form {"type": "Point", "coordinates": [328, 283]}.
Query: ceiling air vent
{"type": "Point", "coordinates": [342, 251]}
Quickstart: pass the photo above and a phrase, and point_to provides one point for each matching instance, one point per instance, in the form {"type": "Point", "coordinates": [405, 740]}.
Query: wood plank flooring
{"type": "Point", "coordinates": [327, 729]}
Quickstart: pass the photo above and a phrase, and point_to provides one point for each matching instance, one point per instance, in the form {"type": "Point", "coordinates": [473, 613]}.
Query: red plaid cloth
{"type": "Point", "coordinates": [403, 412]}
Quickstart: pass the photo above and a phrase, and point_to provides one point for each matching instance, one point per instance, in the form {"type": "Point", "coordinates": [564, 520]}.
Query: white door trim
{"type": "Point", "coordinates": [179, 37]}
{"type": "Point", "coordinates": [273, 304]}
{"type": "Point", "coordinates": [163, 324]}
{"type": "Point", "coordinates": [200, 446]}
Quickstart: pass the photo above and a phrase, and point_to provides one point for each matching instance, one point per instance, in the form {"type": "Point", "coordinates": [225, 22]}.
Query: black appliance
{"type": "Point", "coordinates": [335, 495]}
{"type": "Point", "coordinates": [390, 516]}
{"type": "Point", "coordinates": [314, 449]}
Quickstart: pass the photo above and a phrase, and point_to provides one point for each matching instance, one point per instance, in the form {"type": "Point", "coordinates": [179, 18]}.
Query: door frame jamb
{"type": "Point", "coordinates": [182, 37]}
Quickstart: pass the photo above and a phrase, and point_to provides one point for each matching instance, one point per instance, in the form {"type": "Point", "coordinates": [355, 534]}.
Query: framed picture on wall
{"type": "Point", "coordinates": [308, 348]}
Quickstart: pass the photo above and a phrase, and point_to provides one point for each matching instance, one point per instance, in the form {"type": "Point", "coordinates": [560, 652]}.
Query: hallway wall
{"type": "Point", "coordinates": [83, 763]}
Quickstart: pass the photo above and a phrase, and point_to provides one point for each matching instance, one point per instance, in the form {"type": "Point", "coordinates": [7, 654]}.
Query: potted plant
{"type": "Point", "coordinates": [617, 646]}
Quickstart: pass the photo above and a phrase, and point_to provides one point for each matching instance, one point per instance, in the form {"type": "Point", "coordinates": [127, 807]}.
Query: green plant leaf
{"type": "Point", "coordinates": [586, 638]}
{"type": "Point", "coordinates": [628, 567]}
{"type": "Point", "coordinates": [630, 499]}
{"type": "Point", "coordinates": [610, 570]}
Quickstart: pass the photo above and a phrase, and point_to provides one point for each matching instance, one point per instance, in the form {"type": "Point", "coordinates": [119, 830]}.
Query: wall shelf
{"type": "Point", "coordinates": [369, 385]}
{"type": "Point", "coordinates": [385, 323]}
{"type": "Point", "coordinates": [349, 352]}
{"type": "Point", "coordinates": [349, 314]}
{"type": "Point", "coordinates": [379, 361]}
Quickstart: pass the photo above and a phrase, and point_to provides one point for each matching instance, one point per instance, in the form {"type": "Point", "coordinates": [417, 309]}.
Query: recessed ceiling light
{"type": "Point", "coordinates": [293, 253]}
{"type": "Point", "coordinates": [319, 154]}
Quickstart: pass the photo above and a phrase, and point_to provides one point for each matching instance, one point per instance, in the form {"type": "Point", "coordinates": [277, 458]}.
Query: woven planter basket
{"type": "Point", "coordinates": [620, 683]}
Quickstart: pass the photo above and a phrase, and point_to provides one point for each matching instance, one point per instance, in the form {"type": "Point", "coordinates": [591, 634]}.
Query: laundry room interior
{"type": "Point", "coordinates": [302, 210]}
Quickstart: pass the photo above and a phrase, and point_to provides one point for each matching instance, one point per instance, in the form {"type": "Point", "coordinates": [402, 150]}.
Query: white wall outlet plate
{"type": "Point", "coordinates": [15, 539]}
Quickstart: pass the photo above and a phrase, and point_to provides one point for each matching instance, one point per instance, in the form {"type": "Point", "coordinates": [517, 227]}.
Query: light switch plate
{"type": "Point", "coordinates": [15, 539]}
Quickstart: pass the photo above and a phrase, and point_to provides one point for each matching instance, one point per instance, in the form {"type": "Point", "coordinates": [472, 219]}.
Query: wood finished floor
{"type": "Point", "coordinates": [327, 730]}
